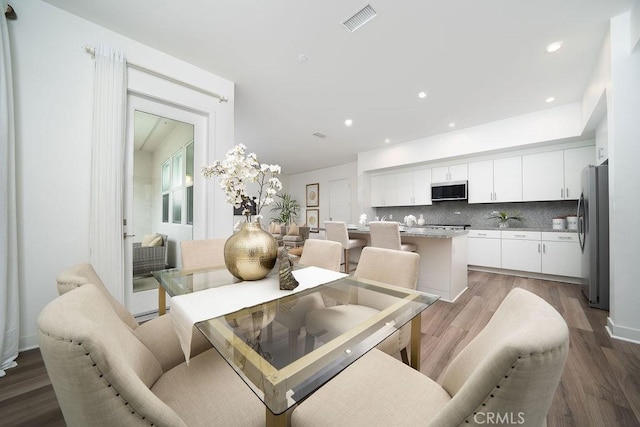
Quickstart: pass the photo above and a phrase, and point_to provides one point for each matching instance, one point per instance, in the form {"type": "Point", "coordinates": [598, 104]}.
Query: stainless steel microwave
{"type": "Point", "coordinates": [452, 190]}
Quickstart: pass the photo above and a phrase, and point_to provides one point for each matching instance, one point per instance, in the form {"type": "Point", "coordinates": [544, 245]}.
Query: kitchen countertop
{"type": "Point", "coordinates": [418, 232]}
{"type": "Point", "coordinates": [546, 230]}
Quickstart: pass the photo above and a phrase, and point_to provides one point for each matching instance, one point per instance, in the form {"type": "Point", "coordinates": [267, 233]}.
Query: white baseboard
{"type": "Point", "coordinates": [622, 333]}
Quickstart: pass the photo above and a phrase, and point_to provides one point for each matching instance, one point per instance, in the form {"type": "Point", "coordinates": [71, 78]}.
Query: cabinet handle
{"type": "Point", "coordinates": [538, 247]}
{"type": "Point", "coordinates": [482, 234]}
{"type": "Point", "coordinates": [520, 235]}
{"type": "Point", "coordinates": [567, 193]}
{"type": "Point", "coordinates": [562, 193]}
{"type": "Point", "coordinates": [564, 237]}
{"type": "Point", "coordinates": [495, 196]}
{"type": "Point", "coordinates": [544, 248]}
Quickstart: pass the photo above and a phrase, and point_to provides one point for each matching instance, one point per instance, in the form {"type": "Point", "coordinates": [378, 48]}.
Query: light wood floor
{"type": "Point", "coordinates": [600, 385]}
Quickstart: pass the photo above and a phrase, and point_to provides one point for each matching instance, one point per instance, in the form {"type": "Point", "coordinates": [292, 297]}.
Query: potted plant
{"type": "Point", "coordinates": [503, 218]}
{"type": "Point", "coordinates": [288, 209]}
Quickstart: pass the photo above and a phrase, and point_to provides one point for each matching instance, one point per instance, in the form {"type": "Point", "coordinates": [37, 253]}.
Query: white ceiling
{"type": "Point", "coordinates": [479, 61]}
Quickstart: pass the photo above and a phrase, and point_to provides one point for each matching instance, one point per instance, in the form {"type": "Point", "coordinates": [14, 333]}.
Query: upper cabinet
{"type": "Point", "coordinates": [554, 175]}
{"type": "Point", "coordinates": [497, 180]}
{"type": "Point", "coordinates": [449, 173]}
{"type": "Point", "coordinates": [414, 187]}
{"type": "Point", "coordinates": [383, 190]}
{"type": "Point", "coordinates": [544, 176]}
{"type": "Point", "coordinates": [406, 188]}
{"type": "Point", "coordinates": [575, 160]}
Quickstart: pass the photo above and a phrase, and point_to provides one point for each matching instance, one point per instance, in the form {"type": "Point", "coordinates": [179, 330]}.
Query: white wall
{"type": "Point", "coordinates": [53, 84]}
{"type": "Point", "coordinates": [599, 80]}
{"type": "Point", "coordinates": [540, 127]}
{"type": "Point", "coordinates": [297, 187]}
{"type": "Point", "coordinates": [624, 176]}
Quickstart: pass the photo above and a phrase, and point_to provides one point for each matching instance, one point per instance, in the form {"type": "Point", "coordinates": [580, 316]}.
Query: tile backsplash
{"type": "Point", "coordinates": [534, 214]}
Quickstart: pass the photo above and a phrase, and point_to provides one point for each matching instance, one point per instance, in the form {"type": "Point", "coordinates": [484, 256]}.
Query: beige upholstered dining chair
{"type": "Point", "coordinates": [337, 231]}
{"type": "Point", "coordinates": [157, 334]}
{"type": "Point", "coordinates": [509, 370]}
{"type": "Point", "coordinates": [318, 253]}
{"type": "Point", "coordinates": [386, 234]}
{"type": "Point", "coordinates": [103, 374]}
{"type": "Point", "coordinates": [321, 253]}
{"type": "Point", "coordinates": [378, 264]}
{"type": "Point", "coordinates": [203, 253]}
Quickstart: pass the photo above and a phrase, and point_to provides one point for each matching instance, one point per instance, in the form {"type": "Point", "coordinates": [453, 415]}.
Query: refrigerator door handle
{"type": "Point", "coordinates": [580, 216]}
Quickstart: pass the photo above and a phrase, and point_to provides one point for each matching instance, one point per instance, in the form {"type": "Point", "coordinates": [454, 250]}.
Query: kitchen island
{"type": "Point", "coordinates": [443, 258]}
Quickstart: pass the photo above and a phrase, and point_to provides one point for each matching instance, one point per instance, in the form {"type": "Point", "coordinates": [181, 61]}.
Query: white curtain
{"type": "Point", "coordinates": [9, 306]}
{"type": "Point", "coordinates": [107, 168]}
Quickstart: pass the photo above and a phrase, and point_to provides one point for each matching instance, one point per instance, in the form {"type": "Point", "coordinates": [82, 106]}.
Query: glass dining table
{"type": "Point", "coordinates": [271, 353]}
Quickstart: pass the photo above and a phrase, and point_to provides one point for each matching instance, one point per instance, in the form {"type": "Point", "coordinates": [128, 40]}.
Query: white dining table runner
{"type": "Point", "coordinates": [189, 309]}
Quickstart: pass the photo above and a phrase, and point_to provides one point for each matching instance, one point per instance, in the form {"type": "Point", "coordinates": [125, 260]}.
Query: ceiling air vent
{"type": "Point", "coordinates": [363, 16]}
{"type": "Point", "coordinates": [320, 135]}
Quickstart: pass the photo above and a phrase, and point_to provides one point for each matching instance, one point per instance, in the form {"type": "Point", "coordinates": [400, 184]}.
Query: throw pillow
{"type": "Point", "coordinates": [157, 241]}
{"type": "Point", "coordinates": [274, 228]}
{"type": "Point", "coordinates": [294, 230]}
{"type": "Point", "coordinates": [147, 239]}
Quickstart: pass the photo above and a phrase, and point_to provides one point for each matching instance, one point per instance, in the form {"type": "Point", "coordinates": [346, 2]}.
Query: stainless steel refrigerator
{"type": "Point", "coordinates": [593, 233]}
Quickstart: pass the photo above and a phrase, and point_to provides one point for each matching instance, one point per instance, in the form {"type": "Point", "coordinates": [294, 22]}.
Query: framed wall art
{"type": "Point", "coordinates": [312, 220]}
{"type": "Point", "coordinates": [313, 195]}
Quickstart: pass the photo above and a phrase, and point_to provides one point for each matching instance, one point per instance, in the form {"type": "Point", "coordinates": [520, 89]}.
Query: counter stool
{"type": "Point", "coordinates": [386, 234]}
{"type": "Point", "coordinates": [337, 231]}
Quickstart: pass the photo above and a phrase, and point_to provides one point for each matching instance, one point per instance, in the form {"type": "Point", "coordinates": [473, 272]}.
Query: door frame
{"type": "Point", "coordinates": [145, 302]}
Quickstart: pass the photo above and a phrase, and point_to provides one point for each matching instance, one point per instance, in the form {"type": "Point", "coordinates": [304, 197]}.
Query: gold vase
{"type": "Point", "coordinates": [251, 253]}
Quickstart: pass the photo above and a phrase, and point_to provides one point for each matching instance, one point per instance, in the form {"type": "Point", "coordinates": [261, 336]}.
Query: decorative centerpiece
{"type": "Point", "coordinates": [363, 220]}
{"type": "Point", "coordinates": [410, 220]}
{"type": "Point", "coordinates": [250, 253]}
{"type": "Point", "coordinates": [504, 218]}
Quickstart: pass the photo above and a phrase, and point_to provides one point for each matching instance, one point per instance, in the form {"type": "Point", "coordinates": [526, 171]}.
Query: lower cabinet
{"type": "Point", "coordinates": [521, 250]}
{"type": "Point", "coordinates": [553, 253]}
{"type": "Point", "coordinates": [561, 254]}
{"type": "Point", "coordinates": [484, 248]}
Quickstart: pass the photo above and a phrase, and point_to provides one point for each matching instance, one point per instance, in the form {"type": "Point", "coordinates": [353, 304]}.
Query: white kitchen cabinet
{"type": "Point", "coordinates": [521, 250]}
{"type": "Point", "coordinates": [422, 187]}
{"type": "Point", "coordinates": [497, 180]}
{"type": "Point", "coordinates": [480, 182]}
{"type": "Point", "coordinates": [575, 160]}
{"type": "Point", "coordinates": [383, 190]}
{"type": "Point", "coordinates": [561, 254]}
{"type": "Point", "coordinates": [449, 173]}
{"type": "Point", "coordinates": [554, 175]}
{"type": "Point", "coordinates": [507, 179]}
{"type": "Point", "coordinates": [484, 248]}
{"type": "Point", "coordinates": [543, 176]}
{"type": "Point", "coordinates": [406, 188]}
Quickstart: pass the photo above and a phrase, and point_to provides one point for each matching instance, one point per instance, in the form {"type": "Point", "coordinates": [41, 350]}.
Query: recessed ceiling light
{"type": "Point", "coordinates": [386, 141]}
{"type": "Point", "coordinates": [550, 99]}
{"type": "Point", "coordinates": [452, 125]}
{"type": "Point", "coordinates": [348, 122]}
{"type": "Point", "coordinates": [422, 95]}
{"type": "Point", "coordinates": [554, 47]}
{"type": "Point", "coordinates": [302, 58]}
